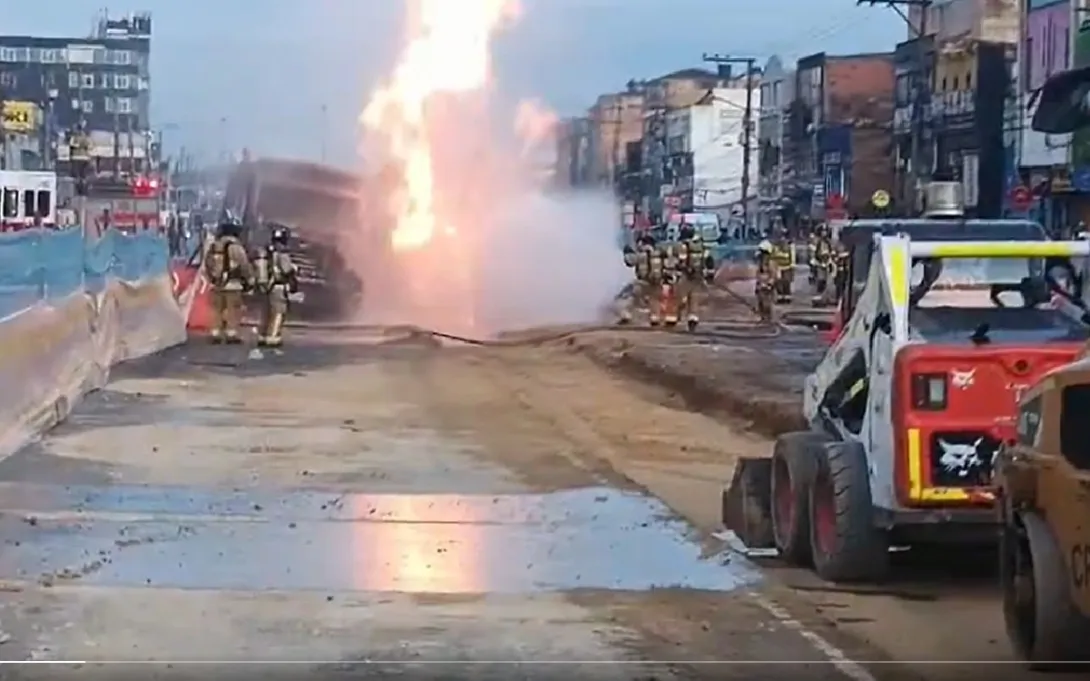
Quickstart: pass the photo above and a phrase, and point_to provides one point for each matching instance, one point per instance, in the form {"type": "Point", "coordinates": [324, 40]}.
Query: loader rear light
{"type": "Point", "coordinates": [929, 392]}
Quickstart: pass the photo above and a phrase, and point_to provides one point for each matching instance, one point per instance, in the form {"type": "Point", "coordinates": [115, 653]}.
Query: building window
{"type": "Point", "coordinates": [75, 104]}
{"type": "Point", "coordinates": [9, 79]}
{"type": "Point", "coordinates": [51, 56]}
{"type": "Point", "coordinates": [968, 81]}
{"type": "Point", "coordinates": [110, 104]}
{"type": "Point", "coordinates": [88, 106]}
{"type": "Point", "coordinates": [87, 80]}
{"type": "Point", "coordinates": [80, 54]}
{"type": "Point", "coordinates": [122, 81]}
{"type": "Point", "coordinates": [124, 105]}
{"type": "Point", "coordinates": [120, 57]}
{"type": "Point", "coordinates": [8, 54]}
{"type": "Point", "coordinates": [33, 55]}
{"type": "Point", "coordinates": [955, 88]}
{"type": "Point", "coordinates": [73, 80]}
{"type": "Point", "coordinates": [104, 81]}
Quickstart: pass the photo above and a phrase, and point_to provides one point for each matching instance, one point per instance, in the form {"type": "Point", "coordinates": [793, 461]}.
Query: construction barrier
{"type": "Point", "coordinates": [72, 307]}
{"type": "Point", "coordinates": [191, 289]}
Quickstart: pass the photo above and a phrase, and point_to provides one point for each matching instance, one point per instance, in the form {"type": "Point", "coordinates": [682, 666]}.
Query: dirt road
{"type": "Point", "coordinates": [421, 508]}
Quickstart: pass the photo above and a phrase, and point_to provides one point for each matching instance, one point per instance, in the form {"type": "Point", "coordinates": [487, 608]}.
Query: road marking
{"type": "Point", "coordinates": [839, 659]}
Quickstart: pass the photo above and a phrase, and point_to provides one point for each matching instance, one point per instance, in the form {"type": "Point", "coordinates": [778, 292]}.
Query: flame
{"type": "Point", "coordinates": [447, 51]}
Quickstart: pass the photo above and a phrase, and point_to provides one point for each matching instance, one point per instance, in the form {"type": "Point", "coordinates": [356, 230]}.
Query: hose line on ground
{"type": "Point", "coordinates": [742, 331]}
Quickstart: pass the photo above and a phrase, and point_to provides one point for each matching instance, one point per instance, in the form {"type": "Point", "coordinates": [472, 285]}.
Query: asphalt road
{"type": "Point", "coordinates": [351, 507]}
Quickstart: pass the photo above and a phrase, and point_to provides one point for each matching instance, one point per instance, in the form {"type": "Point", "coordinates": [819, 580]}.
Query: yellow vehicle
{"type": "Point", "coordinates": [1043, 492]}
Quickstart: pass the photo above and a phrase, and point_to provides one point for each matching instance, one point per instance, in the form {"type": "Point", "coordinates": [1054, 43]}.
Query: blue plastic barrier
{"type": "Point", "coordinates": [44, 266]}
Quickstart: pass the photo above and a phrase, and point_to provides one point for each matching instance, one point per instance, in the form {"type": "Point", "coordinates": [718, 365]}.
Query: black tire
{"type": "Point", "coordinates": [1048, 631]}
{"type": "Point", "coordinates": [794, 458]}
{"type": "Point", "coordinates": [844, 542]}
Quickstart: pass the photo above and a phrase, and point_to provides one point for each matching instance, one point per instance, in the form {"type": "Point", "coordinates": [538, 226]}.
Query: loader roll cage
{"type": "Point", "coordinates": [857, 237]}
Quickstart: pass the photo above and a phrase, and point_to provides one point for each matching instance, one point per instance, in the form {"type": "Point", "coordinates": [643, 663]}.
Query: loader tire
{"type": "Point", "coordinates": [844, 542]}
{"type": "Point", "coordinates": [794, 459]}
{"type": "Point", "coordinates": [1045, 626]}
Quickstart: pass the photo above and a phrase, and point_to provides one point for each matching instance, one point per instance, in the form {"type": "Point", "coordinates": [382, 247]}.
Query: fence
{"type": "Point", "coordinates": [71, 307]}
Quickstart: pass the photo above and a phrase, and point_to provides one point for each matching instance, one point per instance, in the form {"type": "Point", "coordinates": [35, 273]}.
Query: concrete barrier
{"type": "Point", "coordinates": [72, 307]}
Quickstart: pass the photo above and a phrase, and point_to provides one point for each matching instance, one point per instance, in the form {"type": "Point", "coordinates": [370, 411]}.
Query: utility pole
{"type": "Point", "coordinates": [920, 86]}
{"type": "Point", "coordinates": [747, 125]}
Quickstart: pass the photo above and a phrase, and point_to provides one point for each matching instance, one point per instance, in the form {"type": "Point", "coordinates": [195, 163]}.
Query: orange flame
{"type": "Point", "coordinates": [447, 51]}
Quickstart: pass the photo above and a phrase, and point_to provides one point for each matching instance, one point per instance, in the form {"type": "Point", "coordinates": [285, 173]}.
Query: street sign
{"type": "Point", "coordinates": [1021, 198]}
{"type": "Point", "coordinates": [880, 199]}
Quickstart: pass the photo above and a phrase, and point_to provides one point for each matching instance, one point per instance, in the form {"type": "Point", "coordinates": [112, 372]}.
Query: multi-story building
{"type": "Point", "coordinates": [990, 21]}
{"type": "Point", "coordinates": [710, 135]}
{"type": "Point", "coordinates": [913, 146]}
{"type": "Point", "coordinates": [837, 144]}
{"type": "Point", "coordinates": [968, 130]}
{"type": "Point", "coordinates": [663, 160]}
{"type": "Point", "coordinates": [1045, 162]}
{"type": "Point", "coordinates": [100, 83]}
{"type": "Point", "coordinates": [776, 92]}
{"type": "Point", "coordinates": [615, 120]}
{"type": "Point", "coordinates": [972, 79]}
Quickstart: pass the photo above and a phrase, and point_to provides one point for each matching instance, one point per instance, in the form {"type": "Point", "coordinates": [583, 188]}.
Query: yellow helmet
{"type": "Point", "coordinates": [765, 246]}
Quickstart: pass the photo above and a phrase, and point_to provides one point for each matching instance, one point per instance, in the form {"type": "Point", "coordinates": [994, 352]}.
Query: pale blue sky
{"type": "Point", "coordinates": [237, 58]}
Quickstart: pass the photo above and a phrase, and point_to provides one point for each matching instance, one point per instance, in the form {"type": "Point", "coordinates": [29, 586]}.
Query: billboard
{"type": "Point", "coordinates": [19, 117]}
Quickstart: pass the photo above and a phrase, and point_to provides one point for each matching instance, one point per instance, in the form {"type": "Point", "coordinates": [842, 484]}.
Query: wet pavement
{"type": "Point", "coordinates": [593, 538]}
{"type": "Point", "coordinates": [339, 503]}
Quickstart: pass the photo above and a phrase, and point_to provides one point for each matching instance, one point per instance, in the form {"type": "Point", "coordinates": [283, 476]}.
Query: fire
{"type": "Point", "coordinates": [447, 51]}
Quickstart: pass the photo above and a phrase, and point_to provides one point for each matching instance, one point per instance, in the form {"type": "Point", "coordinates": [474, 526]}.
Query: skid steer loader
{"type": "Point", "coordinates": [947, 323]}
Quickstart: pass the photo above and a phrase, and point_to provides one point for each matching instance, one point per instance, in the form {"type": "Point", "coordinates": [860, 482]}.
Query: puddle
{"type": "Point", "coordinates": [596, 538]}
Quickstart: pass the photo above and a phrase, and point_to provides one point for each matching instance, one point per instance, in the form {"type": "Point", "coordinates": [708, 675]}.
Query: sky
{"type": "Point", "coordinates": [289, 77]}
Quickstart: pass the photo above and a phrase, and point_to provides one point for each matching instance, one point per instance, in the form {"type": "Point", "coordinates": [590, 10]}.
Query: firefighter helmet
{"type": "Point", "coordinates": [280, 235]}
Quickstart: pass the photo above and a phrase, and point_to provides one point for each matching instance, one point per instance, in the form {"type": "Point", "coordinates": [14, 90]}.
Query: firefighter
{"type": "Point", "coordinates": [230, 273]}
{"type": "Point", "coordinates": [822, 262]}
{"type": "Point", "coordinates": [812, 246]}
{"type": "Point", "coordinates": [765, 289]}
{"type": "Point", "coordinates": [664, 297]}
{"type": "Point", "coordinates": [696, 269]}
{"type": "Point", "coordinates": [646, 262]}
{"type": "Point", "coordinates": [840, 271]}
{"type": "Point", "coordinates": [783, 262]}
{"type": "Point", "coordinates": [277, 279]}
